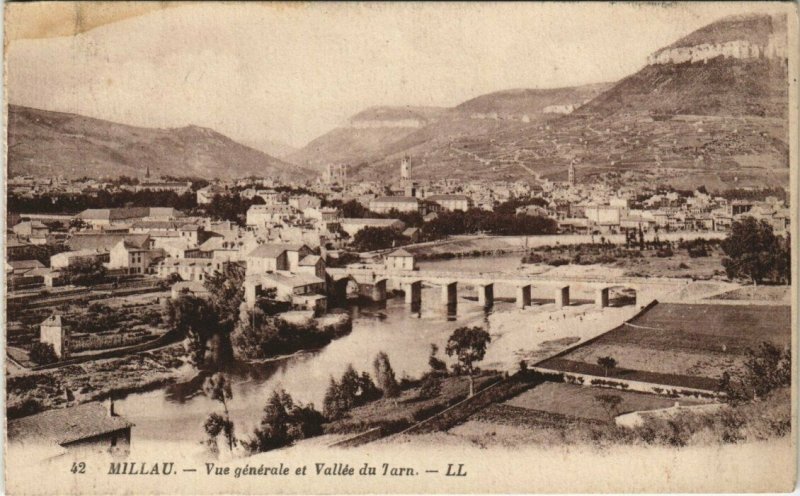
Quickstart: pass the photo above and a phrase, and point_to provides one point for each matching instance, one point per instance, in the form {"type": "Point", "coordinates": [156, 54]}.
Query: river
{"type": "Point", "coordinates": [177, 412]}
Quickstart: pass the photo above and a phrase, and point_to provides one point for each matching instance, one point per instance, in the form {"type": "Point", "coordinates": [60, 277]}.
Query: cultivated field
{"type": "Point", "coordinates": [682, 345]}
{"type": "Point", "coordinates": [553, 401]}
{"type": "Point", "coordinates": [781, 294]}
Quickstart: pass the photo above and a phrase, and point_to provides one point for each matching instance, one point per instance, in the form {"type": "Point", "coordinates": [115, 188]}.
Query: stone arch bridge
{"type": "Point", "coordinates": [372, 282]}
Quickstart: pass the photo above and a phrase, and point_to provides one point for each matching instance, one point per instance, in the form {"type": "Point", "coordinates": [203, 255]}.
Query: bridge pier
{"type": "Point", "coordinates": [486, 295]}
{"type": "Point", "coordinates": [413, 291]}
{"type": "Point", "coordinates": [601, 298]}
{"type": "Point", "coordinates": [379, 290]}
{"type": "Point", "coordinates": [562, 297]}
{"type": "Point", "coordinates": [450, 293]}
{"type": "Point", "coordinates": [524, 296]}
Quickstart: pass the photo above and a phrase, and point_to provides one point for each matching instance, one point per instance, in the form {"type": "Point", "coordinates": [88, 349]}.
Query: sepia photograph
{"type": "Point", "coordinates": [379, 248]}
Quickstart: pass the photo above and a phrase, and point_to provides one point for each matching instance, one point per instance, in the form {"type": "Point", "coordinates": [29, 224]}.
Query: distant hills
{"type": "Point", "coordinates": [721, 122]}
{"type": "Point", "coordinates": [710, 108]}
{"type": "Point", "coordinates": [48, 143]}
{"type": "Point", "coordinates": [378, 133]}
{"type": "Point", "coordinates": [366, 135]}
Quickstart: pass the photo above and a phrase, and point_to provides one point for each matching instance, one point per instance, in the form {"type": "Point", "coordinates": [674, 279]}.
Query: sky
{"type": "Point", "coordinates": [290, 72]}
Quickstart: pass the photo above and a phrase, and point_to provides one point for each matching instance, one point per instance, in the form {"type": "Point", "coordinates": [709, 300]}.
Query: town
{"type": "Point", "coordinates": [598, 267]}
{"type": "Point", "coordinates": [304, 247]}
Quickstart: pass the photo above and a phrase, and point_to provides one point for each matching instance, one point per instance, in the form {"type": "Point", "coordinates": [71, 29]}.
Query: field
{"type": "Point", "coordinates": [36, 391]}
{"type": "Point", "coordinates": [552, 402]}
{"type": "Point", "coordinates": [682, 345]}
{"type": "Point", "coordinates": [781, 294]}
{"type": "Point", "coordinates": [678, 265]}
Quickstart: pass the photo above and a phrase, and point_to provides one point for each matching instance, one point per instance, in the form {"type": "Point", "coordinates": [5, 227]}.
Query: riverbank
{"type": "Point", "coordinates": [93, 380]}
{"type": "Point", "coordinates": [538, 332]}
{"type": "Point", "coordinates": [480, 245]}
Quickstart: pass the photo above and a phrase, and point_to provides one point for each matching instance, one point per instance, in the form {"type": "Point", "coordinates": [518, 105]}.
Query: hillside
{"type": "Point", "coordinates": [380, 135]}
{"type": "Point", "coordinates": [41, 142]}
{"type": "Point", "coordinates": [755, 28]}
{"type": "Point", "coordinates": [365, 135]}
{"type": "Point", "coordinates": [520, 102]}
{"type": "Point", "coordinates": [719, 121]}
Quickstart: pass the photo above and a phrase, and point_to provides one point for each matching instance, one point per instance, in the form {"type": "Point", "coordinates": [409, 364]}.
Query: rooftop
{"type": "Point", "coordinates": [274, 250]}
{"type": "Point", "coordinates": [400, 253]}
{"type": "Point", "coordinates": [25, 264]}
{"type": "Point", "coordinates": [447, 198]}
{"type": "Point", "coordinates": [66, 425]}
{"type": "Point", "coordinates": [369, 222]}
{"type": "Point", "coordinates": [396, 199]}
{"type": "Point", "coordinates": [104, 241]}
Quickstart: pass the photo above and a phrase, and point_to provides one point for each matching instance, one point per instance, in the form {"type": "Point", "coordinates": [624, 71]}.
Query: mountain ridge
{"type": "Point", "coordinates": [72, 145]}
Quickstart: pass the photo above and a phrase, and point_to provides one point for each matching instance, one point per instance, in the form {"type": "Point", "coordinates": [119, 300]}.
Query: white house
{"type": "Point", "coordinates": [400, 260]}
{"type": "Point", "coordinates": [273, 257]}
{"type": "Point", "coordinates": [133, 257]}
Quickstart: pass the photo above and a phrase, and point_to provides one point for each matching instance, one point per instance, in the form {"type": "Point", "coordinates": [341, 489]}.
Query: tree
{"type": "Point", "coordinates": [283, 423]}
{"type": "Point", "coordinates": [766, 368]}
{"type": "Point", "coordinates": [349, 387]}
{"type": "Point", "coordinates": [84, 272]}
{"type": "Point", "coordinates": [218, 388]}
{"type": "Point", "coordinates": [608, 363]}
{"type": "Point", "coordinates": [610, 403]}
{"type": "Point", "coordinates": [43, 353]}
{"type": "Point", "coordinates": [378, 238]}
{"type": "Point", "coordinates": [273, 430]}
{"type": "Point", "coordinates": [193, 318]}
{"type": "Point", "coordinates": [435, 363]}
{"type": "Point", "coordinates": [332, 405]}
{"type": "Point", "coordinates": [754, 252]}
{"type": "Point", "coordinates": [468, 344]}
{"type": "Point", "coordinates": [431, 386]}
{"type": "Point", "coordinates": [384, 375]}
{"type": "Point", "coordinates": [226, 294]}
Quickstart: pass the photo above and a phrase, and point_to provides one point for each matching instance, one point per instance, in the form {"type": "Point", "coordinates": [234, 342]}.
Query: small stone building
{"type": "Point", "coordinates": [53, 331]}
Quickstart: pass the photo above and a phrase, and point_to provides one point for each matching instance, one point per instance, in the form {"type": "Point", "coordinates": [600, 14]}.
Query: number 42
{"type": "Point", "coordinates": [78, 468]}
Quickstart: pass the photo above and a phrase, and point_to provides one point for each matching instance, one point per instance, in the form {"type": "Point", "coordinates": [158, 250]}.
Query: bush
{"type": "Point", "coordinates": [43, 353]}
{"type": "Point", "coordinates": [431, 387]}
{"type": "Point", "coordinates": [699, 251]}
{"type": "Point", "coordinates": [664, 252]}
{"type": "Point", "coordinates": [28, 406]}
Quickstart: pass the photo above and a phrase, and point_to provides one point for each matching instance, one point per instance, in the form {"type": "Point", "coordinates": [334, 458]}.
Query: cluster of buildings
{"type": "Point", "coordinates": [599, 209]}
{"type": "Point", "coordinates": [288, 237]}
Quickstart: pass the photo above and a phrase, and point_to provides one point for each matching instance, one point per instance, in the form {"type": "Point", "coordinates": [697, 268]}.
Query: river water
{"type": "Point", "coordinates": [177, 412]}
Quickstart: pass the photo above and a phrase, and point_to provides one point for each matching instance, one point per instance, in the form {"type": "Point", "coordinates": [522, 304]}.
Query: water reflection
{"type": "Point", "coordinates": [403, 331]}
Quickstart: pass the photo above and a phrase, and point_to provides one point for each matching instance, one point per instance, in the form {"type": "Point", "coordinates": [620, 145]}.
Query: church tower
{"type": "Point", "coordinates": [405, 169]}
{"type": "Point", "coordinates": [571, 174]}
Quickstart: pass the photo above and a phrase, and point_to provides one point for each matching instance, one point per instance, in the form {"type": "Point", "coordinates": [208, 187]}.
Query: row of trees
{"type": "Point", "coordinates": [285, 421]}
{"type": "Point", "coordinates": [498, 223]}
{"type": "Point", "coordinates": [60, 203]}
{"type": "Point", "coordinates": [378, 238]}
